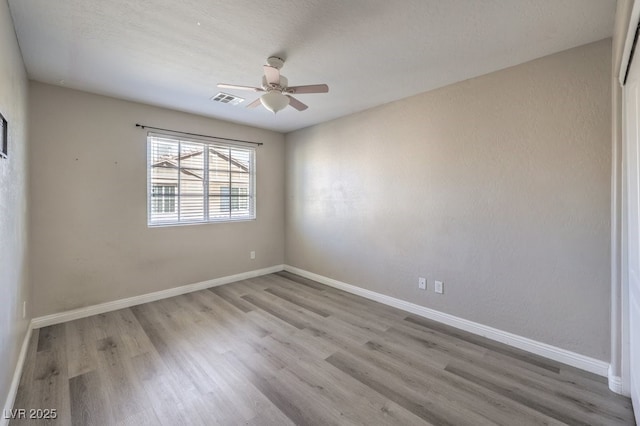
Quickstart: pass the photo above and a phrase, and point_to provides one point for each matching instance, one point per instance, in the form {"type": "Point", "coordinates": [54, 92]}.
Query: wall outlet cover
{"type": "Point", "coordinates": [422, 283]}
{"type": "Point", "coordinates": [438, 287]}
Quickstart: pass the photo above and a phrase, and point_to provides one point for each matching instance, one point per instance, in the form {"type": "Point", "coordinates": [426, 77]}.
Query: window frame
{"type": "Point", "coordinates": [207, 196]}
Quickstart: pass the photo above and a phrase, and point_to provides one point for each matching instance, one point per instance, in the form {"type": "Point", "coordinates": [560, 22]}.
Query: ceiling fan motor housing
{"type": "Point", "coordinates": [281, 86]}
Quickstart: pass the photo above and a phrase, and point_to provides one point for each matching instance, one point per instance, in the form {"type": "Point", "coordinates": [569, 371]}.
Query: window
{"type": "Point", "coordinates": [191, 181]}
{"type": "Point", "coordinates": [237, 202]}
{"type": "Point", "coordinates": [163, 199]}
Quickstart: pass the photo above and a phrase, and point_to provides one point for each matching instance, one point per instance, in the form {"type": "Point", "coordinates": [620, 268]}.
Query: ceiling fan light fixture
{"type": "Point", "coordinates": [274, 101]}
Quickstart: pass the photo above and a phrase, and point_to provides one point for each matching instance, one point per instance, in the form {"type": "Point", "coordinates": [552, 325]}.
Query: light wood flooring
{"type": "Point", "coordinates": [281, 350]}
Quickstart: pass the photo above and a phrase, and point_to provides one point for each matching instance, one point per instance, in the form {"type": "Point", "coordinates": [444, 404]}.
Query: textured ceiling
{"type": "Point", "coordinates": [173, 53]}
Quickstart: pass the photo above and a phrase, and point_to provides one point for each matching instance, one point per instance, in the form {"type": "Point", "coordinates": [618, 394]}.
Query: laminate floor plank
{"type": "Point", "coordinates": [356, 303]}
{"type": "Point", "coordinates": [264, 379]}
{"type": "Point", "coordinates": [50, 386]}
{"type": "Point", "coordinates": [336, 388]}
{"type": "Point", "coordinates": [571, 394]}
{"type": "Point", "coordinates": [270, 322]}
{"type": "Point", "coordinates": [359, 317]}
{"type": "Point", "coordinates": [437, 342]}
{"type": "Point", "coordinates": [144, 417]}
{"type": "Point", "coordinates": [25, 396]}
{"type": "Point", "coordinates": [163, 393]}
{"type": "Point", "coordinates": [232, 318]}
{"type": "Point", "coordinates": [205, 395]}
{"type": "Point", "coordinates": [268, 306]}
{"type": "Point", "coordinates": [339, 332]}
{"type": "Point", "coordinates": [591, 377]}
{"type": "Point", "coordinates": [486, 343]}
{"type": "Point", "coordinates": [439, 384]}
{"type": "Point", "coordinates": [116, 375]}
{"type": "Point", "coordinates": [319, 345]}
{"type": "Point", "coordinates": [238, 288]}
{"type": "Point", "coordinates": [308, 397]}
{"type": "Point", "coordinates": [544, 402]}
{"type": "Point", "coordinates": [589, 381]}
{"type": "Point", "coordinates": [257, 283]}
{"type": "Point", "coordinates": [311, 340]}
{"type": "Point", "coordinates": [232, 297]}
{"type": "Point", "coordinates": [133, 337]}
{"type": "Point", "coordinates": [247, 399]}
{"type": "Point", "coordinates": [179, 357]}
{"type": "Point", "coordinates": [51, 338]}
{"type": "Point", "coordinates": [205, 328]}
{"type": "Point", "coordinates": [82, 354]}
{"type": "Point", "coordinates": [266, 419]}
{"type": "Point", "coordinates": [301, 280]}
{"type": "Point", "coordinates": [443, 384]}
{"type": "Point", "coordinates": [328, 408]}
{"type": "Point", "coordinates": [281, 349]}
{"type": "Point", "coordinates": [300, 301]}
{"type": "Point", "coordinates": [226, 398]}
{"type": "Point", "coordinates": [152, 326]}
{"type": "Point", "coordinates": [88, 400]}
{"type": "Point", "coordinates": [168, 348]}
{"type": "Point", "coordinates": [305, 384]}
{"type": "Point", "coordinates": [395, 389]}
{"type": "Point", "coordinates": [306, 315]}
{"type": "Point", "coordinates": [410, 388]}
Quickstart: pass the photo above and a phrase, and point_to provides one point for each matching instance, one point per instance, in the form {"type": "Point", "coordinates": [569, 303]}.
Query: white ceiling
{"type": "Point", "coordinates": [173, 53]}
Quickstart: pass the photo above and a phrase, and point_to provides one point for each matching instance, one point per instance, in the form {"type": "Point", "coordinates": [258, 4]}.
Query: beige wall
{"type": "Point", "coordinates": [91, 243]}
{"type": "Point", "coordinates": [14, 287]}
{"type": "Point", "coordinates": [499, 186]}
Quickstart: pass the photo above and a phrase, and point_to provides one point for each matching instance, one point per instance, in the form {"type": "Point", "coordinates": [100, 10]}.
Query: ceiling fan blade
{"type": "Point", "coordinates": [235, 86]}
{"type": "Point", "coordinates": [296, 103]}
{"type": "Point", "coordinates": [254, 103]}
{"type": "Point", "coordinates": [272, 74]}
{"type": "Point", "coordinates": [312, 88]}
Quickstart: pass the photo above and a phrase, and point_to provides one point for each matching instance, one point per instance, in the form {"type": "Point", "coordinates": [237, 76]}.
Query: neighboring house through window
{"type": "Point", "coordinates": [163, 199]}
{"type": "Point", "coordinates": [233, 199]}
{"type": "Point", "coordinates": [192, 181]}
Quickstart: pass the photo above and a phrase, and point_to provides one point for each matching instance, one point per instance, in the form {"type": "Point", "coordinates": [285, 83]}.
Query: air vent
{"type": "Point", "coordinates": [226, 98]}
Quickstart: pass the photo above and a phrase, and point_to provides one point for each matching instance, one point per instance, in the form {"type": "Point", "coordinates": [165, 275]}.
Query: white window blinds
{"type": "Point", "coordinates": [191, 181]}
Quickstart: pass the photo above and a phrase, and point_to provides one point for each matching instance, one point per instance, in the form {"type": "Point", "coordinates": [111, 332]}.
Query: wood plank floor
{"type": "Point", "coordinates": [281, 350]}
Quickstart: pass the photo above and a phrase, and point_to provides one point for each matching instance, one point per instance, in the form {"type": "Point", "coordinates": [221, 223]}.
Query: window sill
{"type": "Point", "coordinates": [208, 222]}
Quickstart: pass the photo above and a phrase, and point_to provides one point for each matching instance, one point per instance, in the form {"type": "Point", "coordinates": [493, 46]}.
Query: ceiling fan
{"type": "Point", "coordinates": [277, 92]}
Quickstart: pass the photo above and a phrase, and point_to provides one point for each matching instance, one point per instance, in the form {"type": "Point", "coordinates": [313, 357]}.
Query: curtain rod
{"type": "Point", "coordinates": [631, 55]}
{"type": "Point", "coordinates": [142, 126]}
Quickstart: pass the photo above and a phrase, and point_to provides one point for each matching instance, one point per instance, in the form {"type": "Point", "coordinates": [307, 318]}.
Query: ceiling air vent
{"type": "Point", "coordinates": [226, 98]}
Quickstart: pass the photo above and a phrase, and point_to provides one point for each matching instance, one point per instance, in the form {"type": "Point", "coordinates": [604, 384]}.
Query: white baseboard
{"type": "Point", "coordinates": [615, 383]}
{"type": "Point", "coordinates": [15, 382]}
{"type": "Point", "coordinates": [548, 351]}
{"type": "Point", "coordinates": [87, 311]}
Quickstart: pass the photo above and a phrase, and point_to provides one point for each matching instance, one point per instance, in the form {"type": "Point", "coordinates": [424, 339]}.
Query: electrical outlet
{"type": "Point", "coordinates": [438, 287]}
{"type": "Point", "coordinates": [422, 283]}
{"type": "Point", "coordinates": [252, 255]}
{"type": "Point", "coordinates": [24, 309]}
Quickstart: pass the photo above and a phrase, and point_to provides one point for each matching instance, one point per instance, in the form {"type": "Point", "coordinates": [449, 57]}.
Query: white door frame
{"type": "Point", "coordinates": [625, 317]}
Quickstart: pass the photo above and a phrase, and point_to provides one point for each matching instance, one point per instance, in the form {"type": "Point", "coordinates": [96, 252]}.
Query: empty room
{"type": "Point", "coordinates": [313, 212]}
